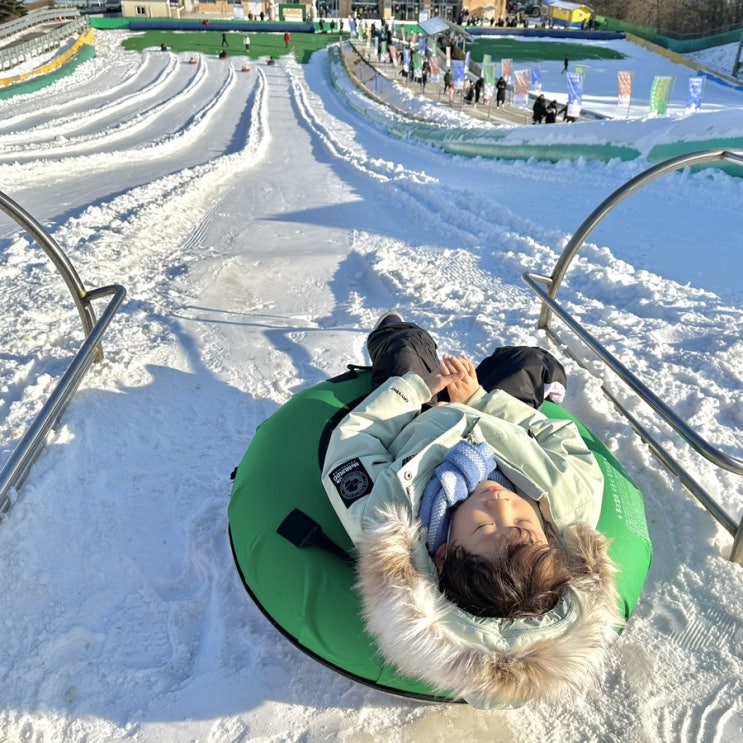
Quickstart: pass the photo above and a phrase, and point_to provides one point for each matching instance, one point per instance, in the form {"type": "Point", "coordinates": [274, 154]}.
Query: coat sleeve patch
{"type": "Point", "coordinates": [352, 481]}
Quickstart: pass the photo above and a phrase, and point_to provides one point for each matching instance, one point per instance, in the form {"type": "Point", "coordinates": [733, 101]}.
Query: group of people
{"type": "Point", "coordinates": [512, 20]}
{"type": "Point", "coordinates": [543, 112]}
{"type": "Point", "coordinates": [546, 113]}
{"type": "Point", "coordinates": [382, 33]}
{"type": "Point", "coordinates": [472, 92]}
{"type": "Point", "coordinates": [331, 25]}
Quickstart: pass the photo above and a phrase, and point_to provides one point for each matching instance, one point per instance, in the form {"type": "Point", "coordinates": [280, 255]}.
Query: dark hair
{"type": "Point", "coordinates": [524, 579]}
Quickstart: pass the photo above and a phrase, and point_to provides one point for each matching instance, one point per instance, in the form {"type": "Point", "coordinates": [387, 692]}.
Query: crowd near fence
{"type": "Point", "coordinates": [374, 76]}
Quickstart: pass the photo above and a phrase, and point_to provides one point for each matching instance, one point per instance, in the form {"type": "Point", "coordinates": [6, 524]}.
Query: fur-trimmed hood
{"type": "Point", "coordinates": [490, 662]}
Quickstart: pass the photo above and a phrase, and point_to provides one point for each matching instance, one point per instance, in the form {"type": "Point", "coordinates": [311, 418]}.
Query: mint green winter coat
{"type": "Point", "coordinates": [385, 451]}
{"type": "Point", "coordinates": [378, 463]}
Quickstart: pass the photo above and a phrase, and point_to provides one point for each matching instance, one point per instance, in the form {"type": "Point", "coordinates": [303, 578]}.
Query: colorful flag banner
{"type": "Point", "coordinates": [505, 68]}
{"type": "Point", "coordinates": [488, 76]}
{"type": "Point", "coordinates": [488, 73]}
{"type": "Point", "coordinates": [435, 69]}
{"type": "Point", "coordinates": [417, 65]}
{"type": "Point", "coordinates": [575, 94]}
{"type": "Point", "coordinates": [405, 59]}
{"type": "Point", "coordinates": [457, 68]}
{"type": "Point", "coordinates": [535, 78]}
{"type": "Point", "coordinates": [624, 83]}
{"type": "Point", "coordinates": [694, 96]}
{"type": "Point", "coordinates": [521, 88]}
{"type": "Point", "coordinates": [660, 92]}
{"type": "Point", "coordinates": [422, 44]}
{"type": "Point", "coordinates": [466, 62]}
{"type": "Point", "coordinates": [383, 49]}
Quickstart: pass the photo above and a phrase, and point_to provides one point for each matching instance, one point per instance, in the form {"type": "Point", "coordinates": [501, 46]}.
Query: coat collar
{"type": "Point", "coordinates": [492, 663]}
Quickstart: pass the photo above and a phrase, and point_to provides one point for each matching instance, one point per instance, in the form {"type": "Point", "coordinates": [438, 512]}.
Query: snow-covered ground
{"type": "Point", "coordinates": [260, 225]}
{"type": "Point", "coordinates": [721, 58]}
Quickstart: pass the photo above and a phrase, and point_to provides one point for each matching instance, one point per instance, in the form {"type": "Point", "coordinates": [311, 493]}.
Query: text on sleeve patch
{"type": "Point", "coordinates": [352, 481]}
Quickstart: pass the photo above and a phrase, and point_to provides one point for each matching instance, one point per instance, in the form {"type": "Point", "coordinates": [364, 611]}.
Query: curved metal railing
{"type": "Point", "coordinates": [34, 18]}
{"type": "Point", "coordinates": [550, 305]}
{"type": "Point", "coordinates": [32, 442]}
{"type": "Point", "coordinates": [70, 23]}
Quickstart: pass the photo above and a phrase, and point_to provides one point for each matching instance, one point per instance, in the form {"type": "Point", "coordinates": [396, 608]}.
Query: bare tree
{"type": "Point", "coordinates": [684, 17]}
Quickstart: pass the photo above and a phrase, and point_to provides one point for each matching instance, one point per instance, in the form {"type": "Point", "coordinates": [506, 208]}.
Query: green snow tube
{"type": "Point", "coordinates": [308, 594]}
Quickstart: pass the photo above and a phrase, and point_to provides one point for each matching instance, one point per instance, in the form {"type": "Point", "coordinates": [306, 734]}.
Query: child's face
{"type": "Point", "coordinates": [480, 522]}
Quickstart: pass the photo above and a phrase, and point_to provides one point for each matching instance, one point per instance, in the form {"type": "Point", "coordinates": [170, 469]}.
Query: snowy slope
{"type": "Point", "coordinates": [260, 225]}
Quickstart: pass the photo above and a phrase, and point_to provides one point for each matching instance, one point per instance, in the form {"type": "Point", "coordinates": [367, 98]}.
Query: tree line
{"type": "Point", "coordinates": [11, 9]}
{"type": "Point", "coordinates": [676, 17]}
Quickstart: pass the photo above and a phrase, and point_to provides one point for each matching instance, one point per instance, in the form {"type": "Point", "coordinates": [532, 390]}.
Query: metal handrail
{"type": "Point", "coordinates": [16, 468]}
{"type": "Point", "coordinates": [34, 18]}
{"type": "Point", "coordinates": [550, 306]}
{"type": "Point", "coordinates": [58, 257]}
{"type": "Point", "coordinates": [72, 23]}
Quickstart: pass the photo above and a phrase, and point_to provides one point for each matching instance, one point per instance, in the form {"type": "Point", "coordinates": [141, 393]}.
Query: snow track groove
{"type": "Point", "coordinates": [198, 123]}
{"type": "Point", "coordinates": [173, 115]}
{"type": "Point", "coordinates": [33, 127]}
{"type": "Point", "coordinates": [103, 78]}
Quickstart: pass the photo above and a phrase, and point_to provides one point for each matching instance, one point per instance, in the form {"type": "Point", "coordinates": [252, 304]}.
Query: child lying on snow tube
{"type": "Point", "coordinates": [474, 517]}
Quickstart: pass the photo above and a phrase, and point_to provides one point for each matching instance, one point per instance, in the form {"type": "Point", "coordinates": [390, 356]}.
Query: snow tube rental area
{"type": "Point", "coordinates": [306, 591]}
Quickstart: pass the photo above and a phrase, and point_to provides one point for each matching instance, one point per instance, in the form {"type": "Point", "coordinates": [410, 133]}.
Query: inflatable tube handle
{"type": "Point", "coordinates": [303, 531]}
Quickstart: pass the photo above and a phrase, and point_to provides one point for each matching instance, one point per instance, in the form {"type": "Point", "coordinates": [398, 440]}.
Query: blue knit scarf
{"type": "Point", "coordinates": [453, 480]}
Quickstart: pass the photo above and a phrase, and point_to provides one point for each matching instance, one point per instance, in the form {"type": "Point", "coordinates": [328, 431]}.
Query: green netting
{"type": "Point", "coordinates": [663, 152]}
{"type": "Point", "coordinates": [681, 46]}
{"type": "Point", "coordinates": [105, 22]}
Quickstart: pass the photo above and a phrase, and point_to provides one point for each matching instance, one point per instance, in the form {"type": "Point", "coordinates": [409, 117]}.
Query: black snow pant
{"type": "Point", "coordinates": [522, 371]}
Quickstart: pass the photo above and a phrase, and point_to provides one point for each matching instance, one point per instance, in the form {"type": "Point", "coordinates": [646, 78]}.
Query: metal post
{"type": "Point", "coordinates": [737, 65]}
